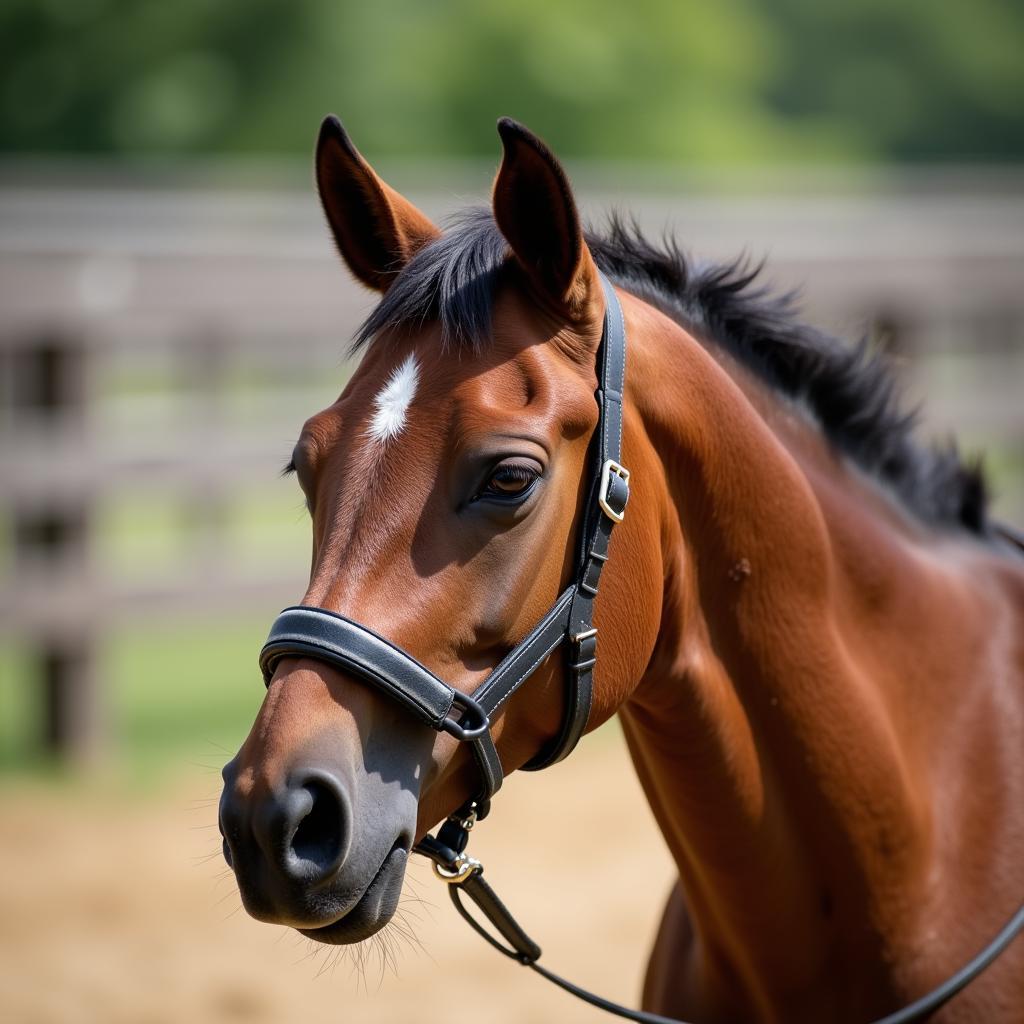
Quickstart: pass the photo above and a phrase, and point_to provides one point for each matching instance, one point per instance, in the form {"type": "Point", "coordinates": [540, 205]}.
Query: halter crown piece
{"type": "Point", "coordinates": [326, 636]}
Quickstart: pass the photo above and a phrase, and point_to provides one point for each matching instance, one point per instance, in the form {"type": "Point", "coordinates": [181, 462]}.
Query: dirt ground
{"type": "Point", "coordinates": [116, 909]}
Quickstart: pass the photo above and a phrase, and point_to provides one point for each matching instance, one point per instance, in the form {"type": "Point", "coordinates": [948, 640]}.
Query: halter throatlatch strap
{"type": "Point", "coordinates": [359, 651]}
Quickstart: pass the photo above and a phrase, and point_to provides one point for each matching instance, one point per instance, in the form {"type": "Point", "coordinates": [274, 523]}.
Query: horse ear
{"type": "Point", "coordinates": [536, 212]}
{"type": "Point", "coordinates": [377, 230]}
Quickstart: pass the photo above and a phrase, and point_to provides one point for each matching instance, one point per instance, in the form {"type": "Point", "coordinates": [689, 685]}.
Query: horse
{"type": "Point", "coordinates": [809, 626]}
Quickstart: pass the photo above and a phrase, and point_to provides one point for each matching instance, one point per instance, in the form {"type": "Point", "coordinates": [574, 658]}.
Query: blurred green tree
{"type": "Point", "coordinates": [673, 80]}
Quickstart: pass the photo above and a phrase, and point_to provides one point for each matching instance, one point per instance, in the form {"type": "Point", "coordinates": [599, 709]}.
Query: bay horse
{"type": "Point", "coordinates": [811, 630]}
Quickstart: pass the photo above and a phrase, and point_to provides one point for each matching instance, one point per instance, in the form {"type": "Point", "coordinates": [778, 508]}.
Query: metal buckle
{"type": "Point", "coordinates": [608, 470]}
{"type": "Point", "coordinates": [462, 867]}
{"type": "Point", "coordinates": [581, 664]}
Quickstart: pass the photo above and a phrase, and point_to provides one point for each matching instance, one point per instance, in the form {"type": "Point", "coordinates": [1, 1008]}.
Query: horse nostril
{"type": "Point", "coordinates": [320, 818]}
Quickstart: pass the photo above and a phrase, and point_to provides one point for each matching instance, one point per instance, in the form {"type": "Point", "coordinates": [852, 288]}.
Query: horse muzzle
{"type": "Point", "coordinates": [294, 851]}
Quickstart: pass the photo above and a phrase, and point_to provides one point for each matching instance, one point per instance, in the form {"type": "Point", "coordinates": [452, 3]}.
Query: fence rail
{"type": "Point", "coordinates": [172, 342]}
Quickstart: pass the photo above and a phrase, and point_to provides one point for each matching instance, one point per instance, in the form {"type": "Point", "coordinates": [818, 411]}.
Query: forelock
{"type": "Point", "coordinates": [451, 281]}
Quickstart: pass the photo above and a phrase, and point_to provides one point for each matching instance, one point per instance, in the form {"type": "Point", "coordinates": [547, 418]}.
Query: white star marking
{"type": "Point", "coordinates": [392, 404]}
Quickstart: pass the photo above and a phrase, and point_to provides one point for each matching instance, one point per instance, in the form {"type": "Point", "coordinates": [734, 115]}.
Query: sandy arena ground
{"type": "Point", "coordinates": [119, 910]}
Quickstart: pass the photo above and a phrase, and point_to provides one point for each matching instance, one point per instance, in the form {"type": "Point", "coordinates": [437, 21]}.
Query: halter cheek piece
{"type": "Point", "coordinates": [326, 636]}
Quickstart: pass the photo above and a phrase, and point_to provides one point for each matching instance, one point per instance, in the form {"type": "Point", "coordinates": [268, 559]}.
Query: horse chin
{"type": "Point", "coordinates": [373, 910]}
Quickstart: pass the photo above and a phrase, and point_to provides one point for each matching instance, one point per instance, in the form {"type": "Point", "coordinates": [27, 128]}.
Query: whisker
{"type": "Point", "coordinates": [310, 950]}
{"type": "Point", "coordinates": [330, 960]}
{"type": "Point", "coordinates": [227, 895]}
{"type": "Point", "coordinates": [202, 804]}
{"type": "Point", "coordinates": [205, 858]}
{"type": "Point", "coordinates": [218, 746]}
{"type": "Point", "coordinates": [228, 917]}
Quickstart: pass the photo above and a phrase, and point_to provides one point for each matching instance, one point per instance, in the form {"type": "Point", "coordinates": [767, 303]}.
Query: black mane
{"type": "Point", "coordinates": [849, 390]}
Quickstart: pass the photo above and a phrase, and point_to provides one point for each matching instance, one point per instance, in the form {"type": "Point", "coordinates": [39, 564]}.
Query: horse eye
{"type": "Point", "coordinates": [510, 480]}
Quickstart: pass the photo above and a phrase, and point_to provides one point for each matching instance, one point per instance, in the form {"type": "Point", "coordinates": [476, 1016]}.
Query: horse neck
{"type": "Point", "coordinates": [770, 761]}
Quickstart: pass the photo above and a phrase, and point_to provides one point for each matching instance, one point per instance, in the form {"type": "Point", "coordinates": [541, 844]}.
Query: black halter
{"type": "Point", "coordinates": [326, 636]}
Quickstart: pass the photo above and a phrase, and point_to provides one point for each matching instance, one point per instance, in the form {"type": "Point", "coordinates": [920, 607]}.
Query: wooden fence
{"type": "Point", "coordinates": [216, 294]}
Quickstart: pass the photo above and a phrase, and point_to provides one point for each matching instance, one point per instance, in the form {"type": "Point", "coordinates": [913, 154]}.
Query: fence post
{"type": "Point", "coordinates": [48, 392]}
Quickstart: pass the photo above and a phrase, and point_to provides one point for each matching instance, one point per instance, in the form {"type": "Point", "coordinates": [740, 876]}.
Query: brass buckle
{"type": "Point", "coordinates": [462, 867]}
{"type": "Point", "coordinates": [608, 470]}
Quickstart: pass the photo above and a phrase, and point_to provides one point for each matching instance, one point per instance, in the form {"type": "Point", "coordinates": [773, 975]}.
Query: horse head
{"type": "Point", "coordinates": [444, 486]}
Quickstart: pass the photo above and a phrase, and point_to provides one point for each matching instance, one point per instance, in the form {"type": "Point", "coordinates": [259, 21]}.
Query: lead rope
{"type": "Point", "coordinates": [465, 874]}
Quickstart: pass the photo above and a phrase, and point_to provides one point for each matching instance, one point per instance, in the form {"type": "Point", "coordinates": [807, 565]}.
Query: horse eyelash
{"type": "Point", "coordinates": [289, 469]}
{"type": "Point", "coordinates": [514, 471]}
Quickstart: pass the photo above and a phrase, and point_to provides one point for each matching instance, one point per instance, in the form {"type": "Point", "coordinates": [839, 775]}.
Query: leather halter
{"type": "Point", "coordinates": [332, 638]}
{"type": "Point", "coordinates": [326, 636]}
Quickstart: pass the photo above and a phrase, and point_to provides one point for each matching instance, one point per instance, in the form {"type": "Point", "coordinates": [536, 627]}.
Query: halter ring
{"type": "Point", "coordinates": [474, 722]}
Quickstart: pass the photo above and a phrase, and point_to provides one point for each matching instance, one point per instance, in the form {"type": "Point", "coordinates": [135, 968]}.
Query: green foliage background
{"type": "Point", "coordinates": [667, 80]}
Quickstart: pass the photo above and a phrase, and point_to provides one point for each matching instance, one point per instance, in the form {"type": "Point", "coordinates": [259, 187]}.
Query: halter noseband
{"type": "Point", "coordinates": [332, 638]}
